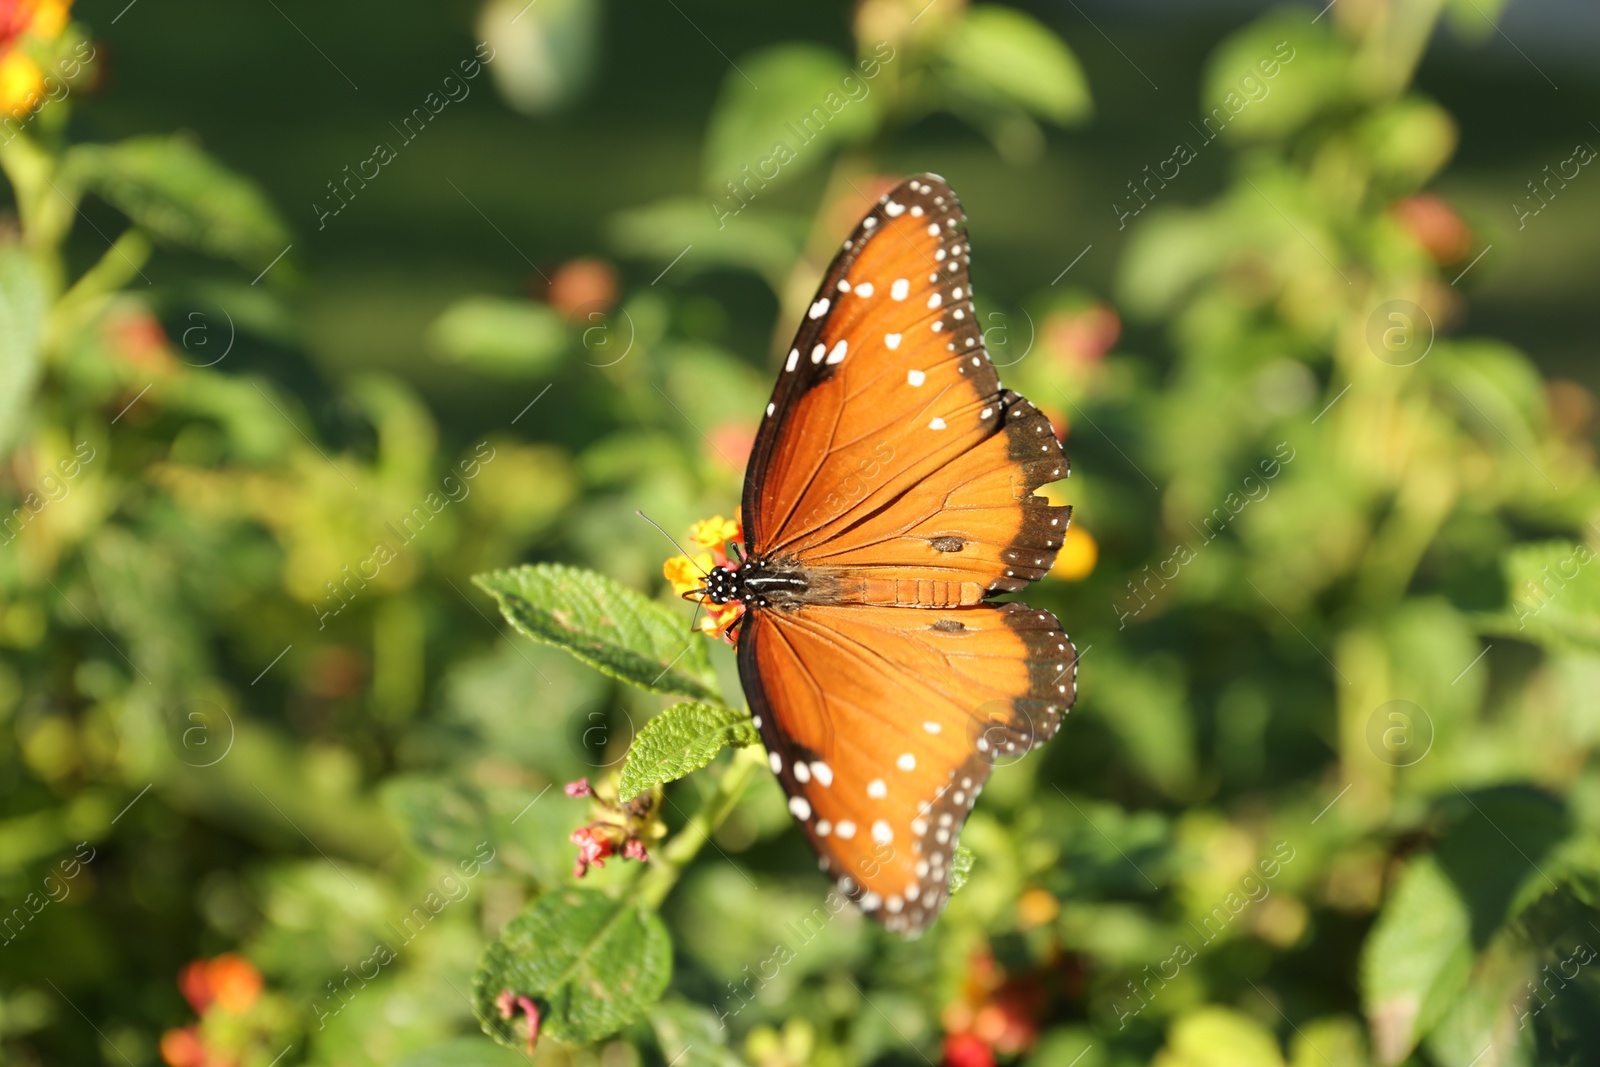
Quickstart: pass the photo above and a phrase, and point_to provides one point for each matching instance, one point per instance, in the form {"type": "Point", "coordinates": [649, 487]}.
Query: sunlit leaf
{"type": "Point", "coordinates": [1415, 963]}
{"type": "Point", "coordinates": [781, 112]}
{"type": "Point", "coordinates": [171, 187]}
{"type": "Point", "coordinates": [682, 739]}
{"type": "Point", "coordinates": [592, 964]}
{"type": "Point", "coordinates": [510, 338]}
{"type": "Point", "coordinates": [1001, 55]}
{"type": "Point", "coordinates": [608, 626]}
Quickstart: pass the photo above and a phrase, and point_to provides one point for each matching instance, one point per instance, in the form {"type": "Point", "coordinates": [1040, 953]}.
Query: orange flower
{"type": "Point", "coordinates": [714, 532]}
{"type": "Point", "coordinates": [687, 574]}
{"type": "Point", "coordinates": [1434, 225]}
{"type": "Point", "coordinates": [21, 80]}
{"type": "Point", "coordinates": [235, 983]}
{"type": "Point", "coordinates": [182, 1048]}
{"type": "Point", "coordinates": [230, 982]}
{"type": "Point", "coordinates": [583, 285]}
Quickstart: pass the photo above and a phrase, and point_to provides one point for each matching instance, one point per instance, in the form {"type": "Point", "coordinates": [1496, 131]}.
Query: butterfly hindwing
{"type": "Point", "coordinates": [883, 724]}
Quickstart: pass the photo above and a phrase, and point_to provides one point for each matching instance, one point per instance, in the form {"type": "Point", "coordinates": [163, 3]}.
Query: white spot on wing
{"type": "Point", "coordinates": [837, 355]}
{"type": "Point", "coordinates": [915, 377]}
{"type": "Point", "coordinates": [819, 309]}
{"type": "Point", "coordinates": [876, 789]}
{"type": "Point", "coordinates": [892, 340]}
{"type": "Point", "coordinates": [934, 424]}
{"type": "Point", "coordinates": [800, 807]}
{"type": "Point", "coordinates": [899, 289]}
{"type": "Point", "coordinates": [794, 357]}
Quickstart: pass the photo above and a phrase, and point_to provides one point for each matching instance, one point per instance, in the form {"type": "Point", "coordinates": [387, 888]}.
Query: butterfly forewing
{"type": "Point", "coordinates": [889, 447]}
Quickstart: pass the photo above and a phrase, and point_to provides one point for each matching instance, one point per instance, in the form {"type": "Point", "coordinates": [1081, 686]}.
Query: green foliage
{"type": "Point", "coordinates": [171, 188]}
{"type": "Point", "coordinates": [803, 97]}
{"type": "Point", "coordinates": [607, 626]}
{"type": "Point", "coordinates": [20, 313]}
{"type": "Point", "coordinates": [592, 964]}
{"type": "Point", "coordinates": [501, 337]}
{"type": "Point", "coordinates": [1328, 797]}
{"type": "Point", "coordinates": [682, 739]}
{"type": "Point", "coordinates": [1004, 57]}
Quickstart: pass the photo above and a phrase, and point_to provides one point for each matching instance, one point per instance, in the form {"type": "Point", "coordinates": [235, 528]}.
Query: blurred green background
{"type": "Point", "coordinates": [231, 770]}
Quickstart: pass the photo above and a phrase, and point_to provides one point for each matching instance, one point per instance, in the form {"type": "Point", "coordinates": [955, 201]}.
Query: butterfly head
{"type": "Point", "coordinates": [723, 584]}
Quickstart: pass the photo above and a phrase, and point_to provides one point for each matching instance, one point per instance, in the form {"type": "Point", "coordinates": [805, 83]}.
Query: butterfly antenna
{"type": "Point", "coordinates": [668, 536]}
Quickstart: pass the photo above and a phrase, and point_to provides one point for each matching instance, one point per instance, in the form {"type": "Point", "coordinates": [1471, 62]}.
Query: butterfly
{"type": "Point", "coordinates": [890, 494]}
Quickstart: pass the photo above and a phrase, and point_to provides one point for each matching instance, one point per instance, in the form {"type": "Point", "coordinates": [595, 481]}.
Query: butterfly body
{"type": "Point", "coordinates": [890, 495]}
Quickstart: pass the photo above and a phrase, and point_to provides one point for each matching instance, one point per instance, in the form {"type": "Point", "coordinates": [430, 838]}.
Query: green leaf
{"type": "Point", "coordinates": [172, 188]}
{"type": "Point", "coordinates": [21, 309]}
{"type": "Point", "coordinates": [960, 868]}
{"type": "Point", "coordinates": [996, 55]}
{"type": "Point", "coordinates": [465, 1052]}
{"type": "Point", "coordinates": [1220, 1037]}
{"type": "Point", "coordinates": [508, 338]}
{"type": "Point", "coordinates": [444, 819]}
{"type": "Point", "coordinates": [691, 1036]}
{"type": "Point", "coordinates": [763, 241]}
{"type": "Point", "coordinates": [592, 965]}
{"type": "Point", "coordinates": [1415, 963]}
{"type": "Point", "coordinates": [1554, 593]}
{"type": "Point", "coordinates": [1271, 78]}
{"type": "Point", "coordinates": [611, 628]}
{"type": "Point", "coordinates": [682, 739]}
{"type": "Point", "coordinates": [781, 113]}
{"type": "Point", "coordinates": [1491, 1009]}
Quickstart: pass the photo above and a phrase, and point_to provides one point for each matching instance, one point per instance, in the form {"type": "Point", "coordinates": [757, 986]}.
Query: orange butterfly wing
{"type": "Point", "coordinates": [893, 468]}
{"type": "Point", "coordinates": [882, 725]}
{"type": "Point", "coordinates": [889, 448]}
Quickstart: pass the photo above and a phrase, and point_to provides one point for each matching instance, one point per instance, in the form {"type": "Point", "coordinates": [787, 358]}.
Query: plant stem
{"type": "Point", "coordinates": [653, 887]}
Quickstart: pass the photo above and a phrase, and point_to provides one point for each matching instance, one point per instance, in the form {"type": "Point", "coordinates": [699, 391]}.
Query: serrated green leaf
{"type": "Point", "coordinates": [592, 964]}
{"type": "Point", "coordinates": [1416, 961]}
{"type": "Point", "coordinates": [797, 96]}
{"type": "Point", "coordinates": [682, 739]}
{"type": "Point", "coordinates": [511, 338]}
{"type": "Point", "coordinates": [998, 55]}
{"type": "Point", "coordinates": [960, 868]}
{"type": "Point", "coordinates": [175, 190]}
{"type": "Point", "coordinates": [21, 308]}
{"type": "Point", "coordinates": [611, 628]}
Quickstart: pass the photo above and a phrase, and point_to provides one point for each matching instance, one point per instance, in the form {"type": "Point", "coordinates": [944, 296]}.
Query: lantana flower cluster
{"type": "Point", "coordinates": [618, 828]}
{"type": "Point", "coordinates": [688, 573]}
{"type": "Point", "coordinates": [22, 22]}
{"type": "Point", "coordinates": [235, 1022]}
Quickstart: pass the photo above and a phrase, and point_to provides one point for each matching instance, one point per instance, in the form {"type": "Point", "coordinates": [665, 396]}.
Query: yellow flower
{"type": "Point", "coordinates": [21, 84]}
{"type": "Point", "coordinates": [1077, 557]}
{"type": "Point", "coordinates": [685, 574]}
{"type": "Point", "coordinates": [50, 18]}
{"type": "Point", "coordinates": [714, 532]}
